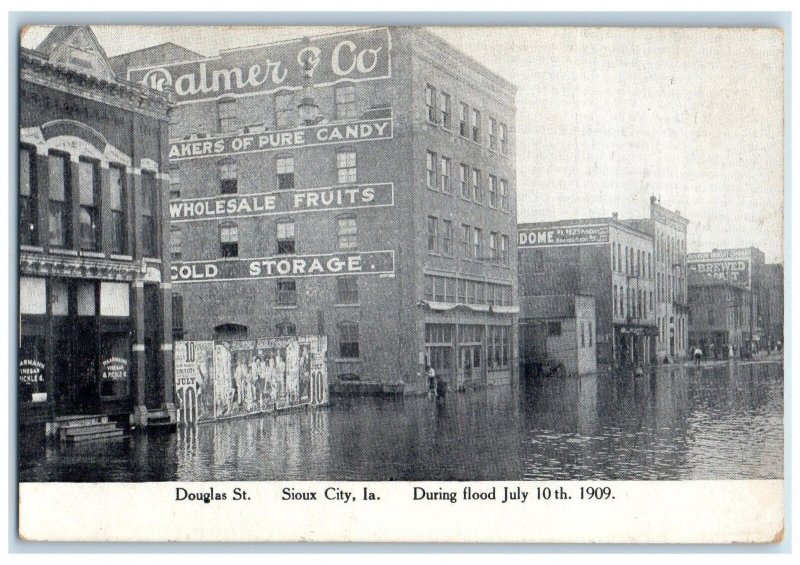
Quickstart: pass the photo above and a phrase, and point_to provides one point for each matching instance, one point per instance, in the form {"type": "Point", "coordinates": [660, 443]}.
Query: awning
{"type": "Point", "coordinates": [480, 308]}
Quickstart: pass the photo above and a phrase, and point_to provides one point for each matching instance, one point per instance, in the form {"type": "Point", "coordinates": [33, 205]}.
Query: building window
{"type": "Point", "coordinates": [285, 170]}
{"type": "Point", "coordinates": [347, 233]}
{"type": "Point", "coordinates": [346, 167]}
{"type": "Point", "coordinates": [476, 125]}
{"type": "Point", "coordinates": [492, 133]}
{"type": "Point", "coordinates": [591, 333]}
{"type": "Point", "coordinates": [463, 127]}
{"type": "Point", "coordinates": [60, 205]}
{"type": "Point", "coordinates": [430, 169]}
{"type": "Point", "coordinates": [554, 329]}
{"type": "Point", "coordinates": [175, 244]}
{"type": "Point", "coordinates": [348, 340]}
{"type": "Point", "coordinates": [538, 261]}
{"type": "Point", "coordinates": [284, 110]}
{"type": "Point", "coordinates": [177, 317]}
{"type": "Point", "coordinates": [583, 334]}
{"type": "Point", "coordinates": [347, 290]}
{"type": "Point", "coordinates": [439, 346]}
{"type": "Point", "coordinates": [499, 347]}
{"type": "Point", "coordinates": [433, 234]}
{"type": "Point", "coordinates": [447, 237]}
{"type": "Point", "coordinates": [493, 246]}
{"type": "Point", "coordinates": [493, 196]}
{"type": "Point", "coordinates": [226, 115]}
{"type": "Point", "coordinates": [285, 328]}
{"type": "Point", "coordinates": [444, 109]}
{"type": "Point", "coordinates": [285, 237]}
{"type": "Point", "coordinates": [345, 101]}
{"type": "Point", "coordinates": [149, 206]}
{"type": "Point", "coordinates": [465, 241]}
{"type": "Point", "coordinates": [117, 199]}
{"type": "Point", "coordinates": [89, 188]}
{"type": "Point", "coordinates": [28, 196]}
{"type": "Point", "coordinates": [444, 174]}
{"type": "Point", "coordinates": [477, 243]}
{"type": "Point", "coordinates": [504, 250]}
{"type": "Point", "coordinates": [463, 173]}
{"type": "Point", "coordinates": [477, 190]}
{"type": "Point", "coordinates": [504, 139]}
{"type": "Point", "coordinates": [615, 300]}
{"type": "Point", "coordinates": [504, 202]}
{"type": "Point", "coordinates": [229, 240]}
{"type": "Point", "coordinates": [286, 294]}
{"type": "Point", "coordinates": [228, 176]}
{"type": "Point", "coordinates": [619, 258]}
{"type": "Point", "coordinates": [430, 103]}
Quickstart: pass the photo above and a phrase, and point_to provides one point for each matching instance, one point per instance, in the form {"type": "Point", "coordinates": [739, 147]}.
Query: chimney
{"type": "Point", "coordinates": [652, 200]}
{"type": "Point", "coordinates": [615, 215]}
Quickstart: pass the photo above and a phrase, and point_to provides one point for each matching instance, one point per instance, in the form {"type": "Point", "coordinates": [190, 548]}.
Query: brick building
{"type": "Point", "coordinates": [668, 229]}
{"type": "Point", "coordinates": [600, 257]}
{"type": "Point", "coordinates": [359, 185]}
{"type": "Point", "coordinates": [719, 315]}
{"type": "Point", "coordinates": [95, 305]}
{"type": "Point", "coordinates": [744, 268]}
{"type": "Point", "coordinates": [772, 305]}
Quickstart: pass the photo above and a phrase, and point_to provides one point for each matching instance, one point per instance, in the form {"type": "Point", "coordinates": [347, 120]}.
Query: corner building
{"type": "Point", "coordinates": [359, 185]}
{"type": "Point", "coordinates": [95, 304]}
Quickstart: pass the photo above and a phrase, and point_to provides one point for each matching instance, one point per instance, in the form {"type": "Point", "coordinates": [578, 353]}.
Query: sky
{"type": "Point", "coordinates": [607, 117]}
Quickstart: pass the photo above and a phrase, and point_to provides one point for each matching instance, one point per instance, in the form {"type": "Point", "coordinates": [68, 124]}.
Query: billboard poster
{"type": "Point", "coordinates": [352, 56]}
{"type": "Point", "coordinates": [281, 202]}
{"type": "Point", "coordinates": [563, 235]}
{"type": "Point", "coordinates": [226, 379]}
{"type": "Point", "coordinates": [345, 263]}
{"type": "Point", "coordinates": [374, 125]}
{"type": "Point", "coordinates": [194, 380]}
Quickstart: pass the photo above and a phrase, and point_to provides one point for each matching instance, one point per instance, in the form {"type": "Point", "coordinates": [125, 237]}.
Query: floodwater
{"type": "Point", "coordinates": [723, 421]}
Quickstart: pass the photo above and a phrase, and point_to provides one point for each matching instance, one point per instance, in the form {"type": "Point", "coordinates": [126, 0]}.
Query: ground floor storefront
{"type": "Point", "coordinates": [90, 347]}
{"type": "Point", "coordinates": [634, 346]}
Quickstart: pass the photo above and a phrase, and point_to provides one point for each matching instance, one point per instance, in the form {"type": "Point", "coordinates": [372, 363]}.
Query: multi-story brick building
{"type": "Point", "coordinates": [719, 315]}
{"type": "Point", "coordinates": [359, 185]}
{"type": "Point", "coordinates": [600, 257]}
{"type": "Point", "coordinates": [95, 306]}
{"type": "Point", "coordinates": [772, 305]}
{"type": "Point", "coordinates": [742, 267]}
{"type": "Point", "coordinates": [668, 230]}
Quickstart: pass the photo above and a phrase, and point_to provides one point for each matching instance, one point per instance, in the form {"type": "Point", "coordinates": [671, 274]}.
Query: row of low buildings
{"type": "Point", "coordinates": [358, 185]}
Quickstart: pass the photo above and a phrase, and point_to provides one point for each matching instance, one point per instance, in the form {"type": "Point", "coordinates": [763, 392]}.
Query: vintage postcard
{"type": "Point", "coordinates": [403, 284]}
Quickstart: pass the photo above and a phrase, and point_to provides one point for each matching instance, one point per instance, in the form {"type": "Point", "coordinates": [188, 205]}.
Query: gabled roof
{"type": "Point", "coordinates": [76, 47]}
{"type": "Point", "coordinates": [152, 56]}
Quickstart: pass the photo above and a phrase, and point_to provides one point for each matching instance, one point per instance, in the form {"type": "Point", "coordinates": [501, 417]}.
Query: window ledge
{"type": "Point", "coordinates": [34, 248]}
{"type": "Point", "coordinates": [94, 254]}
{"type": "Point", "coordinates": [63, 251]}
{"type": "Point", "coordinates": [122, 257]}
{"type": "Point", "coordinates": [354, 305]}
{"type": "Point", "coordinates": [152, 260]}
{"type": "Point", "coordinates": [286, 306]}
{"type": "Point", "coordinates": [348, 360]}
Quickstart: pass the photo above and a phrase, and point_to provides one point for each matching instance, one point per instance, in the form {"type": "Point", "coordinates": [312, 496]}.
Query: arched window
{"type": "Point", "coordinates": [229, 239]}
{"type": "Point", "coordinates": [348, 340]}
{"type": "Point", "coordinates": [230, 331]}
{"type": "Point", "coordinates": [286, 328]}
{"type": "Point", "coordinates": [228, 176]}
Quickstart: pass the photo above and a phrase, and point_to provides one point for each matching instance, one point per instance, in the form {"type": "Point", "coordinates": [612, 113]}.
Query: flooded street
{"type": "Point", "coordinates": [723, 421]}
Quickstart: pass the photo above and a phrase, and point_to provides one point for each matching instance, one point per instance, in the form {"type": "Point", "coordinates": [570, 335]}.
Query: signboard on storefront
{"type": "Point", "coordinates": [562, 235]}
{"type": "Point", "coordinates": [282, 202]}
{"type": "Point", "coordinates": [327, 264]}
{"type": "Point", "coordinates": [115, 369]}
{"type": "Point", "coordinates": [379, 125]}
{"type": "Point", "coordinates": [731, 265]}
{"type": "Point", "coordinates": [215, 380]}
{"type": "Point", "coordinates": [353, 56]}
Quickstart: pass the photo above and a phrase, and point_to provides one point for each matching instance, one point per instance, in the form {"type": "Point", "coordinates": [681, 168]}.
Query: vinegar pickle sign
{"type": "Point", "coordinates": [322, 60]}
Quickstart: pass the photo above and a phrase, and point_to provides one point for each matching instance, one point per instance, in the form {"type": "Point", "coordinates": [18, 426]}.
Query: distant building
{"type": "Point", "coordinates": [559, 329]}
{"type": "Point", "coordinates": [772, 305]}
{"type": "Point", "coordinates": [668, 230]}
{"type": "Point", "coordinates": [600, 257]}
{"type": "Point", "coordinates": [743, 268]}
{"type": "Point", "coordinates": [359, 185]}
{"type": "Point", "coordinates": [719, 315]}
{"type": "Point", "coordinates": [95, 296]}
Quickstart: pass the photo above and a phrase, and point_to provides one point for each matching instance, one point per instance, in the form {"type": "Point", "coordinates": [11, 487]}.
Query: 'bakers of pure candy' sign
{"type": "Point", "coordinates": [352, 56]}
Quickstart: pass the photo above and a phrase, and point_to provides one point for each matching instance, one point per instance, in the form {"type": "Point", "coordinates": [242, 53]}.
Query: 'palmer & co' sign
{"type": "Point", "coordinates": [322, 60]}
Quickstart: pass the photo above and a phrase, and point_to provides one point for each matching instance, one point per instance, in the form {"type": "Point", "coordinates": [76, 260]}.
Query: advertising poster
{"type": "Point", "coordinates": [194, 378]}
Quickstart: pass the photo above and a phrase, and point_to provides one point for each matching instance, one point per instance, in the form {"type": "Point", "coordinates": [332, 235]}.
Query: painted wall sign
{"type": "Point", "coordinates": [733, 271]}
{"type": "Point", "coordinates": [282, 202]}
{"type": "Point", "coordinates": [345, 263]}
{"type": "Point", "coordinates": [115, 369]}
{"type": "Point", "coordinates": [367, 129]}
{"type": "Point", "coordinates": [31, 371]}
{"type": "Point", "coordinates": [250, 71]}
{"type": "Point", "coordinates": [563, 235]}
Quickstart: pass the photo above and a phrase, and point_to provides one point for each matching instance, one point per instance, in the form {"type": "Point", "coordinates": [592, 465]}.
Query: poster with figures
{"type": "Point", "coordinates": [194, 378]}
{"type": "Point", "coordinates": [226, 379]}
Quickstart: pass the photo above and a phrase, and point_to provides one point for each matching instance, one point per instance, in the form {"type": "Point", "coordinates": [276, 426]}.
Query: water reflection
{"type": "Point", "coordinates": [721, 422]}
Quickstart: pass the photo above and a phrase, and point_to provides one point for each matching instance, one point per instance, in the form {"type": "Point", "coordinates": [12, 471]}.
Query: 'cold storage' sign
{"type": "Point", "coordinates": [282, 202]}
{"type": "Point", "coordinates": [562, 235]}
{"type": "Point", "coordinates": [352, 263]}
{"type": "Point", "coordinates": [368, 129]}
{"type": "Point", "coordinates": [324, 60]}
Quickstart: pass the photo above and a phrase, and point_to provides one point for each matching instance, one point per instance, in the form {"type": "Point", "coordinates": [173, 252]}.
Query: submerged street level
{"type": "Point", "coordinates": [722, 420]}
